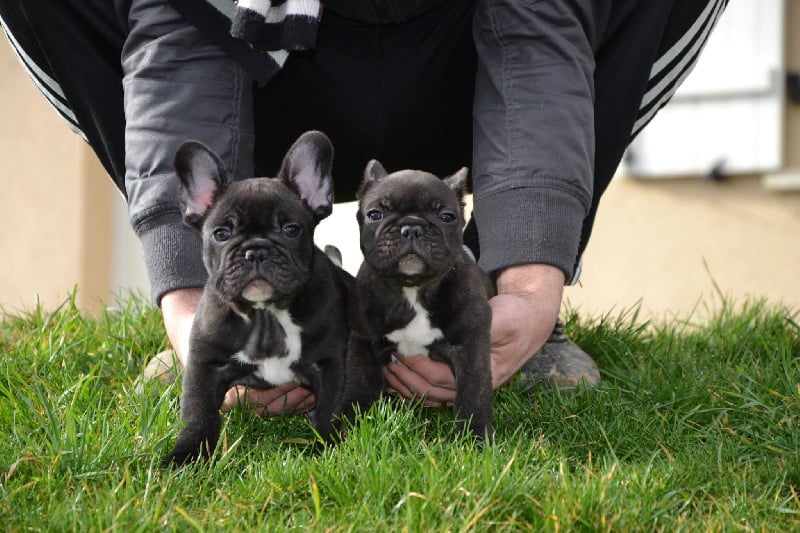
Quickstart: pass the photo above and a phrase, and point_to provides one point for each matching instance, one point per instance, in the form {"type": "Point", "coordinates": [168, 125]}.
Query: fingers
{"type": "Point", "coordinates": [410, 377]}
{"type": "Point", "coordinates": [288, 398]}
{"type": "Point", "coordinates": [436, 373]}
{"type": "Point", "coordinates": [420, 377]}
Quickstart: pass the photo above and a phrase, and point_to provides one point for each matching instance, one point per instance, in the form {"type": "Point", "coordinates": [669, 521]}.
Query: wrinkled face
{"type": "Point", "coordinates": [411, 225]}
{"type": "Point", "coordinates": [258, 243]}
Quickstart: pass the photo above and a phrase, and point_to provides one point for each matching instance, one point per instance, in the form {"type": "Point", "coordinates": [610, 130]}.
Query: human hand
{"type": "Point", "coordinates": [523, 315]}
{"type": "Point", "coordinates": [290, 398]}
{"type": "Point", "coordinates": [178, 308]}
{"type": "Point", "coordinates": [419, 377]}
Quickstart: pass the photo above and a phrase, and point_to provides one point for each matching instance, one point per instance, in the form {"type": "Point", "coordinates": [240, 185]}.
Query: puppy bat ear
{"type": "Point", "coordinates": [202, 176]}
{"type": "Point", "coordinates": [306, 170]}
{"type": "Point", "coordinates": [458, 182]}
{"type": "Point", "coordinates": [374, 172]}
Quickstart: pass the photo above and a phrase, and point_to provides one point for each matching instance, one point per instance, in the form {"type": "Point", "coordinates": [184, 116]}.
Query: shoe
{"type": "Point", "coordinates": [560, 363]}
{"type": "Point", "coordinates": [161, 371]}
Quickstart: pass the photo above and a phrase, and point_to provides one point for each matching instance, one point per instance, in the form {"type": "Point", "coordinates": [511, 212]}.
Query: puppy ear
{"type": "Point", "coordinates": [373, 173]}
{"type": "Point", "coordinates": [458, 182]}
{"type": "Point", "coordinates": [202, 177]}
{"type": "Point", "coordinates": [306, 169]}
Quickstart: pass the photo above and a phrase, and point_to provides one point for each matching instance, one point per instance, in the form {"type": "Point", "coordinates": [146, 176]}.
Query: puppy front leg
{"type": "Point", "coordinates": [327, 382]}
{"type": "Point", "coordinates": [363, 379]}
{"type": "Point", "coordinates": [201, 399]}
{"type": "Point", "coordinates": [473, 373]}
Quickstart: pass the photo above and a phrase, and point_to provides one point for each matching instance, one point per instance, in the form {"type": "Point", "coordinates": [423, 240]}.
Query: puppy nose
{"type": "Point", "coordinates": [411, 231]}
{"type": "Point", "coordinates": [255, 255]}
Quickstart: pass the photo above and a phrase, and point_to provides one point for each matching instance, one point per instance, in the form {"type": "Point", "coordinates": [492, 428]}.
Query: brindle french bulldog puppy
{"type": "Point", "coordinates": [274, 309]}
{"type": "Point", "coordinates": [418, 291]}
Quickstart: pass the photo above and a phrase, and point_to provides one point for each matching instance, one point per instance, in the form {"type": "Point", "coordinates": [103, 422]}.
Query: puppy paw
{"type": "Point", "coordinates": [483, 432]}
{"type": "Point", "coordinates": [184, 454]}
{"type": "Point", "coordinates": [177, 459]}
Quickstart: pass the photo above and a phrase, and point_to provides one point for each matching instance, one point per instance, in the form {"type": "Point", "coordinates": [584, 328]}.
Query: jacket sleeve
{"type": "Point", "coordinates": [533, 131]}
{"type": "Point", "coordinates": [179, 86]}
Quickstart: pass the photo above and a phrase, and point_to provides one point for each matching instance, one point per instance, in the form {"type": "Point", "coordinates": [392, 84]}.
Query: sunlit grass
{"type": "Point", "coordinates": [694, 427]}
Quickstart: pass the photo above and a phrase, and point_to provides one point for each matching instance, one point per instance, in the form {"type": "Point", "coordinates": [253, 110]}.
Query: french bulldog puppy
{"type": "Point", "coordinates": [274, 309]}
{"type": "Point", "coordinates": [418, 291]}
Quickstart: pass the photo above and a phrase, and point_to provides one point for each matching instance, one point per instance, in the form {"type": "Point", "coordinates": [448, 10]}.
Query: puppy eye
{"type": "Point", "coordinates": [222, 234]}
{"type": "Point", "coordinates": [291, 230]}
{"type": "Point", "coordinates": [375, 215]}
{"type": "Point", "coordinates": [447, 217]}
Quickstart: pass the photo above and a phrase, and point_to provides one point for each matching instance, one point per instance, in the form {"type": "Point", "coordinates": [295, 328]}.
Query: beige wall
{"type": "Point", "coordinates": [663, 245]}
{"type": "Point", "coordinates": [54, 218]}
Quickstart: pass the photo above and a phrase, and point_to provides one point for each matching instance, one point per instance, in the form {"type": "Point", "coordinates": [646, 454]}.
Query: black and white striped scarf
{"type": "Point", "coordinates": [277, 24]}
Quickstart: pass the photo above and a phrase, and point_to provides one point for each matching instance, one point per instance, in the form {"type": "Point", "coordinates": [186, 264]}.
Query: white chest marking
{"type": "Point", "coordinates": [276, 368]}
{"type": "Point", "coordinates": [417, 335]}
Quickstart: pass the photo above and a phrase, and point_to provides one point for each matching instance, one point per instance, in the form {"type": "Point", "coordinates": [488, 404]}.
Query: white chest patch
{"type": "Point", "coordinates": [276, 368]}
{"type": "Point", "coordinates": [417, 335]}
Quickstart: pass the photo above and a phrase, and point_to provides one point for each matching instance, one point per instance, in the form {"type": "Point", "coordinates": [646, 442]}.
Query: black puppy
{"type": "Point", "coordinates": [274, 309]}
{"type": "Point", "coordinates": [418, 291]}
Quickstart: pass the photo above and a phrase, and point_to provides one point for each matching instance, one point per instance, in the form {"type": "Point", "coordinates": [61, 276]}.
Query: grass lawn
{"type": "Point", "coordinates": [696, 426]}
